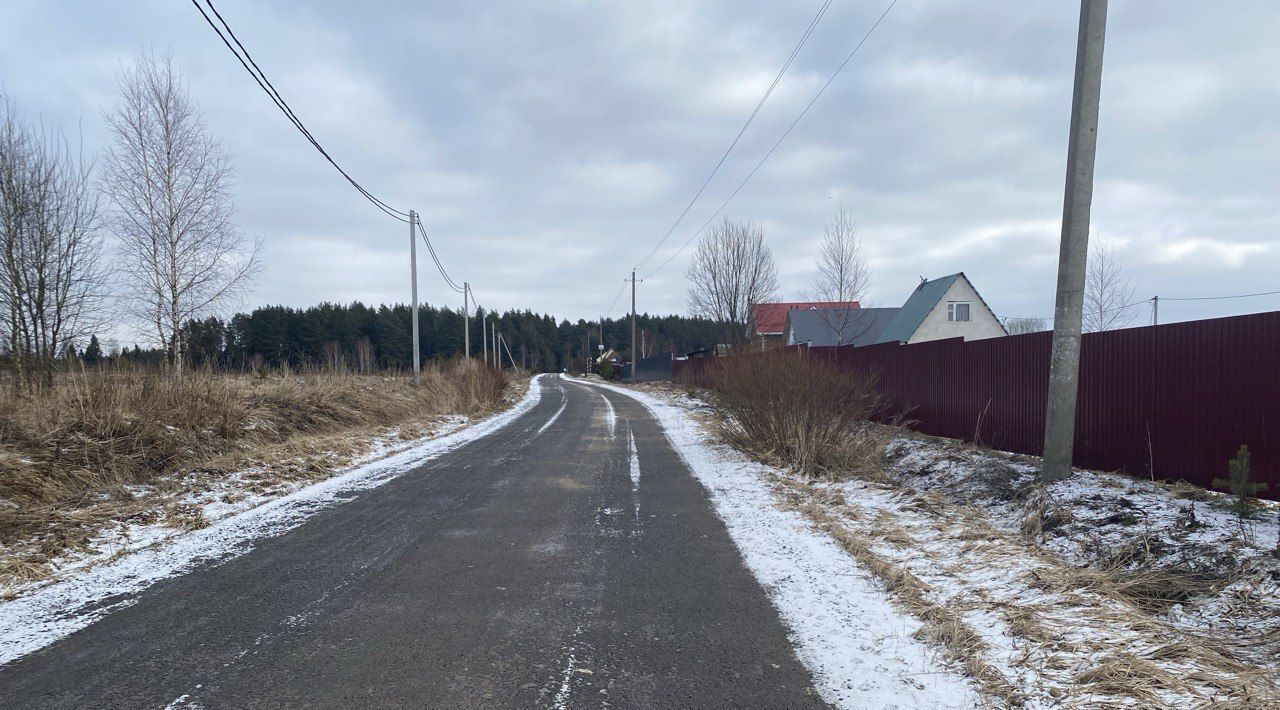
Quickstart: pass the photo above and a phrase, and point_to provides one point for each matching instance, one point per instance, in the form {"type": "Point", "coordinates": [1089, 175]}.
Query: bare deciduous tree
{"type": "Point", "coordinates": [843, 276]}
{"type": "Point", "coordinates": [1108, 290]}
{"type": "Point", "coordinates": [732, 269]}
{"type": "Point", "coordinates": [52, 283]}
{"type": "Point", "coordinates": [169, 181]}
{"type": "Point", "coordinates": [1019, 326]}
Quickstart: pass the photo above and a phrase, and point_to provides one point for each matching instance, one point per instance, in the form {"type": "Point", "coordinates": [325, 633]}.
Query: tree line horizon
{"type": "Point", "coordinates": [367, 338]}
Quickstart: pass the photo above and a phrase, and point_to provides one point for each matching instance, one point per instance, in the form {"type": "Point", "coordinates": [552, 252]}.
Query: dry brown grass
{"type": "Point", "coordinates": [943, 625]}
{"type": "Point", "coordinates": [1149, 589]}
{"type": "Point", "coordinates": [67, 449]}
{"type": "Point", "coordinates": [798, 412]}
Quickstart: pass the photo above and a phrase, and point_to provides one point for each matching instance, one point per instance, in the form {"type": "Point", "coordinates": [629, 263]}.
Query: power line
{"type": "Point", "coordinates": [260, 77]}
{"type": "Point", "coordinates": [422, 229]}
{"type": "Point", "coordinates": [760, 104]}
{"type": "Point", "coordinates": [1219, 298]}
{"type": "Point", "coordinates": [785, 133]}
{"type": "Point", "coordinates": [1162, 298]}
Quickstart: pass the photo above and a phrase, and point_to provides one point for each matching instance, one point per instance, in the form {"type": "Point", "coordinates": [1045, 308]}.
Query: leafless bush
{"type": "Point", "coordinates": [803, 413]}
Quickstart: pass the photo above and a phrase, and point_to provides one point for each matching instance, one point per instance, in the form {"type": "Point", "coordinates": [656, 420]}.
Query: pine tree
{"type": "Point", "coordinates": [1240, 483]}
{"type": "Point", "coordinates": [93, 352]}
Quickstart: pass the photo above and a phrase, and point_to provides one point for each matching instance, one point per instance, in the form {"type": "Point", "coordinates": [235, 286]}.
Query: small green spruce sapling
{"type": "Point", "coordinates": [1241, 484]}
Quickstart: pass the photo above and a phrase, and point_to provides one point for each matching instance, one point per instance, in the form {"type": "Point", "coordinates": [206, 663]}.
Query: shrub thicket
{"type": "Point", "coordinates": [799, 412]}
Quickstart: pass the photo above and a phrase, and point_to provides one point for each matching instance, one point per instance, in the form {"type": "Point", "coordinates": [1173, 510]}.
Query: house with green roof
{"type": "Point", "coordinates": [946, 307]}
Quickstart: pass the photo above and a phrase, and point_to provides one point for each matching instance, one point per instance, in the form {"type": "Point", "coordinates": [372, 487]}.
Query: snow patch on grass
{"type": "Point", "coordinates": [1126, 526]}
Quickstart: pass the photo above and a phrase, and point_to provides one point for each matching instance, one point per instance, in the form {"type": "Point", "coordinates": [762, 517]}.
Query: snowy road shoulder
{"type": "Point", "coordinates": [859, 648]}
{"type": "Point", "coordinates": [45, 615]}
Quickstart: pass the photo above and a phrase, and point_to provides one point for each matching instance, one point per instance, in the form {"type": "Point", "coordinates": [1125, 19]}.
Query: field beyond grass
{"type": "Point", "coordinates": [107, 448]}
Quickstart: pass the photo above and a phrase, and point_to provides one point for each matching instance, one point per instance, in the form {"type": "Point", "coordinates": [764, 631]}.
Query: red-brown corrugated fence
{"type": "Point", "coordinates": [1177, 400]}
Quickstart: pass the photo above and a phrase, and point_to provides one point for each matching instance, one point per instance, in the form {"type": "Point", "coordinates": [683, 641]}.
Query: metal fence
{"type": "Point", "coordinates": [652, 369]}
{"type": "Point", "coordinates": [1171, 401]}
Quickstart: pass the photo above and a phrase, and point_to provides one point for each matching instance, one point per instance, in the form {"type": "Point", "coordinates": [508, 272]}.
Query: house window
{"type": "Point", "coordinates": [958, 311]}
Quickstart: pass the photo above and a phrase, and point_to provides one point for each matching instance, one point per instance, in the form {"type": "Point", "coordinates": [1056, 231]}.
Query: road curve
{"type": "Point", "coordinates": [568, 559]}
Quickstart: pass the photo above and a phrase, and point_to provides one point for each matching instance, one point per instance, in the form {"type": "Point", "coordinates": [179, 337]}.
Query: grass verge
{"type": "Point", "coordinates": [114, 446]}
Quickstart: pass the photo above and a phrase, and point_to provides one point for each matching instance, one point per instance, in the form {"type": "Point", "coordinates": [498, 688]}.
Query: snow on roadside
{"type": "Point", "coordinates": [1044, 631]}
{"type": "Point", "coordinates": [210, 499]}
{"type": "Point", "coordinates": [49, 613]}
{"type": "Point", "coordinates": [859, 648]}
{"type": "Point", "coordinates": [1106, 520]}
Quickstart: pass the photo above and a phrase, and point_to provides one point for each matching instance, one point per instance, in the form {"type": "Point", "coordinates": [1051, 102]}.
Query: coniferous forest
{"type": "Point", "coordinates": [368, 338]}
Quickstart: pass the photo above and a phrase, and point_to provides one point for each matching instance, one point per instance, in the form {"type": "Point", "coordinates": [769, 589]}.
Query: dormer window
{"type": "Point", "coordinates": [958, 311]}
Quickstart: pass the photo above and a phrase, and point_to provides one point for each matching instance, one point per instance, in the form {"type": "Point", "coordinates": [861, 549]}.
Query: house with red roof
{"type": "Point", "coordinates": [769, 320]}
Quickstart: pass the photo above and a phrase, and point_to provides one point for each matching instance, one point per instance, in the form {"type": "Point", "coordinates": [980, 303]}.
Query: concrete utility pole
{"type": "Point", "coordinates": [1064, 362]}
{"type": "Point", "coordinates": [497, 358]}
{"type": "Point", "coordinates": [413, 277]}
{"type": "Point", "coordinates": [1155, 310]}
{"type": "Point", "coordinates": [506, 346]}
{"type": "Point", "coordinates": [633, 326]}
{"type": "Point", "coordinates": [466, 320]}
{"type": "Point", "coordinates": [484, 318]}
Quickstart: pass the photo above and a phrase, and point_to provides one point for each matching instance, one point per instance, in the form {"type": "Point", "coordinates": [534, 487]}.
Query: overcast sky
{"type": "Point", "coordinates": [549, 145]}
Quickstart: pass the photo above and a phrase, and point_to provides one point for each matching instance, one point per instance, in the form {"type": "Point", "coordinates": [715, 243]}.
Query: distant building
{"type": "Point", "coordinates": [946, 307]}
{"type": "Point", "coordinates": [837, 326]}
{"type": "Point", "coordinates": [769, 320]}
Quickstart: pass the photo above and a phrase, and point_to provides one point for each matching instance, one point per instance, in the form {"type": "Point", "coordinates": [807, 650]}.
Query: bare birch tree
{"type": "Point", "coordinates": [169, 180]}
{"type": "Point", "coordinates": [53, 286]}
{"type": "Point", "coordinates": [843, 276]}
{"type": "Point", "coordinates": [1108, 290]}
{"type": "Point", "coordinates": [732, 269]}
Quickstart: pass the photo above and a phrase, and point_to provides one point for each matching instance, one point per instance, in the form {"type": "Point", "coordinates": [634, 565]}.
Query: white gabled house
{"type": "Point", "coordinates": [946, 307]}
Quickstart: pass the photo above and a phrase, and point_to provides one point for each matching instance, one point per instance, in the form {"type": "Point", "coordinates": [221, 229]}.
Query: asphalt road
{"type": "Point", "coordinates": [532, 568]}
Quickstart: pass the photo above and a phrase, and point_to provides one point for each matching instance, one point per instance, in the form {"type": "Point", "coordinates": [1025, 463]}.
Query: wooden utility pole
{"type": "Point", "coordinates": [1064, 361]}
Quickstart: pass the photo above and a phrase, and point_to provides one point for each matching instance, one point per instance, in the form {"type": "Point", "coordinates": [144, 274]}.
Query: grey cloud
{"type": "Point", "coordinates": [549, 145]}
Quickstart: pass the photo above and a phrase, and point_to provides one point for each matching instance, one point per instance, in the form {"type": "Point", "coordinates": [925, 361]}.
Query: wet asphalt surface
{"type": "Point", "coordinates": [526, 569]}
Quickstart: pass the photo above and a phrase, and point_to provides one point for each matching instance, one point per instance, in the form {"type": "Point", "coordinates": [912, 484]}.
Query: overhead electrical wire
{"type": "Point", "coordinates": [785, 133]}
{"type": "Point", "coordinates": [1162, 298]}
{"type": "Point", "coordinates": [247, 61]}
{"type": "Point", "coordinates": [265, 84]}
{"type": "Point", "coordinates": [1219, 298]}
{"type": "Point", "coordinates": [609, 311]}
{"type": "Point", "coordinates": [435, 257]}
{"type": "Point", "coordinates": [759, 104]}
